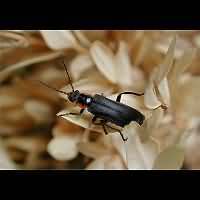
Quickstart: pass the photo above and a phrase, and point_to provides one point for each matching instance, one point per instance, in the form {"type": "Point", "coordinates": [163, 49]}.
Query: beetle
{"type": "Point", "coordinates": [103, 108]}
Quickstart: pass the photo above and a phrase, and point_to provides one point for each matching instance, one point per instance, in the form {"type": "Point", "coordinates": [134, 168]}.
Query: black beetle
{"type": "Point", "coordinates": [103, 108]}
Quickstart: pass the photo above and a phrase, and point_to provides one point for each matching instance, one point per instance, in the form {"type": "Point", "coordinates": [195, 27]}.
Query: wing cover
{"type": "Point", "coordinates": [115, 112]}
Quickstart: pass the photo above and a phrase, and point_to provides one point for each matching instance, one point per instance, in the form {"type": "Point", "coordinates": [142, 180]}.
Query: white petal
{"type": "Point", "coordinates": [165, 66]}
{"type": "Point", "coordinates": [92, 149]}
{"type": "Point", "coordinates": [182, 64]}
{"type": "Point", "coordinates": [82, 38]}
{"type": "Point", "coordinates": [106, 162]}
{"type": "Point", "coordinates": [8, 100]}
{"type": "Point", "coordinates": [151, 124]}
{"type": "Point", "coordinates": [171, 158]}
{"type": "Point", "coordinates": [63, 148]}
{"type": "Point", "coordinates": [60, 39]}
{"type": "Point", "coordinates": [123, 65]}
{"type": "Point", "coordinates": [40, 111]}
{"type": "Point", "coordinates": [84, 120]}
{"type": "Point", "coordinates": [144, 48]}
{"type": "Point", "coordinates": [79, 64]}
{"type": "Point", "coordinates": [5, 161]}
{"type": "Point", "coordinates": [159, 77]}
{"type": "Point", "coordinates": [97, 164]}
{"type": "Point", "coordinates": [164, 92]}
{"type": "Point", "coordinates": [150, 98]}
{"type": "Point", "coordinates": [104, 60]}
{"type": "Point", "coordinates": [187, 103]}
{"type": "Point", "coordinates": [138, 155]}
{"type": "Point", "coordinates": [25, 63]}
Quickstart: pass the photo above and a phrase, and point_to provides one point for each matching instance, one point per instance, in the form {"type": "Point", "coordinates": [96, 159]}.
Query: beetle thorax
{"type": "Point", "coordinates": [84, 99]}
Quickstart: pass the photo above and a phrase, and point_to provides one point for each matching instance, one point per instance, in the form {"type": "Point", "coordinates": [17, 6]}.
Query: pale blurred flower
{"type": "Point", "coordinates": [102, 62]}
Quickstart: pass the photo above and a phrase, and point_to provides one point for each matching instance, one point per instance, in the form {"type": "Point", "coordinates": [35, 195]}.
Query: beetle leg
{"type": "Point", "coordinates": [123, 138]}
{"type": "Point", "coordinates": [94, 119]}
{"type": "Point", "coordinates": [102, 122]}
{"type": "Point", "coordinates": [120, 95]}
{"type": "Point", "coordinates": [104, 128]}
{"type": "Point", "coordinates": [81, 111]}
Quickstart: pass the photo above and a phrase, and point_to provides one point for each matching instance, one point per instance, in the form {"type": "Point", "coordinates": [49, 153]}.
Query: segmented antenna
{"type": "Point", "coordinates": [70, 81]}
{"type": "Point", "coordinates": [53, 88]}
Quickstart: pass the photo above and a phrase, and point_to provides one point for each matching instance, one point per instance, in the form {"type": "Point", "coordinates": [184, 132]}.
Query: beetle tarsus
{"type": "Point", "coordinates": [105, 131]}
{"type": "Point", "coordinates": [123, 138]}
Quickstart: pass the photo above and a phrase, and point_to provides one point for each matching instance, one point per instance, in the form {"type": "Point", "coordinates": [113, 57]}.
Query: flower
{"type": "Point", "coordinates": [162, 64]}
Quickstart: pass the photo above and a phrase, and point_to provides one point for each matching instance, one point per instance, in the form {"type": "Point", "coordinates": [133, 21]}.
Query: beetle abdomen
{"type": "Point", "coordinates": [114, 112]}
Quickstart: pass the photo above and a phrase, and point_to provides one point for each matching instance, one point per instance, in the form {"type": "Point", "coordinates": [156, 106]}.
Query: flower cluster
{"type": "Point", "coordinates": [162, 64]}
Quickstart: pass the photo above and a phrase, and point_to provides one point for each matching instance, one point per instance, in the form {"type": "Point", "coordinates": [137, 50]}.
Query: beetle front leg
{"type": "Point", "coordinates": [81, 111]}
{"type": "Point", "coordinates": [120, 95]}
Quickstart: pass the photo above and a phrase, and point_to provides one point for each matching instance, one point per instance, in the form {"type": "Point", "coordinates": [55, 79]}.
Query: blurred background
{"type": "Point", "coordinates": [32, 136]}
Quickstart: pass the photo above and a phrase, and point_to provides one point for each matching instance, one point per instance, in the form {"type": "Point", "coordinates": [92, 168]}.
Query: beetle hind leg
{"type": "Point", "coordinates": [124, 139]}
{"type": "Point", "coordinates": [120, 95]}
{"type": "Point", "coordinates": [121, 134]}
{"type": "Point", "coordinates": [103, 124]}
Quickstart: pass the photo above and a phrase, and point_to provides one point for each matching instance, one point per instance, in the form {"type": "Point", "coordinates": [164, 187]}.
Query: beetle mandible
{"type": "Point", "coordinates": [103, 108]}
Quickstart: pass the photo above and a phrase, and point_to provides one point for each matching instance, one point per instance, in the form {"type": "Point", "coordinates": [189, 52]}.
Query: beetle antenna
{"type": "Point", "coordinates": [60, 91]}
{"type": "Point", "coordinates": [70, 81]}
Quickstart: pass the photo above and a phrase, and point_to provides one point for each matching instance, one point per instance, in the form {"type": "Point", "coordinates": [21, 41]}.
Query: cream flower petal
{"type": "Point", "coordinates": [84, 120]}
{"type": "Point", "coordinates": [142, 52]}
{"type": "Point", "coordinates": [79, 64]}
{"type": "Point", "coordinates": [97, 164]}
{"type": "Point", "coordinates": [123, 65]}
{"type": "Point", "coordinates": [180, 66]}
{"type": "Point", "coordinates": [82, 38]}
{"type": "Point", "coordinates": [106, 162]}
{"type": "Point", "coordinates": [8, 100]}
{"type": "Point", "coordinates": [92, 149]}
{"type": "Point", "coordinates": [164, 92]}
{"type": "Point", "coordinates": [60, 39]}
{"type": "Point", "coordinates": [5, 161]}
{"type": "Point", "coordinates": [181, 45]}
{"type": "Point", "coordinates": [188, 106]}
{"type": "Point", "coordinates": [39, 111]}
{"type": "Point", "coordinates": [5, 73]}
{"type": "Point", "coordinates": [104, 60]}
{"type": "Point", "coordinates": [29, 144]}
{"type": "Point", "coordinates": [63, 147]}
{"type": "Point", "coordinates": [138, 155]}
{"type": "Point", "coordinates": [159, 79]}
{"type": "Point", "coordinates": [14, 40]}
{"type": "Point", "coordinates": [150, 97]}
{"type": "Point", "coordinates": [166, 65]}
{"type": "Point", "coordinates": [151, 124]}
{"type": "Point", "coordinates": [184, 62]}
{"type": "Point", "coordinates": [171, 158]}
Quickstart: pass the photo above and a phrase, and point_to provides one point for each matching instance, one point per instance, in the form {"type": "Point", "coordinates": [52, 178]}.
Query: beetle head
{"type": "Point", "coordinates": [73, 96]}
